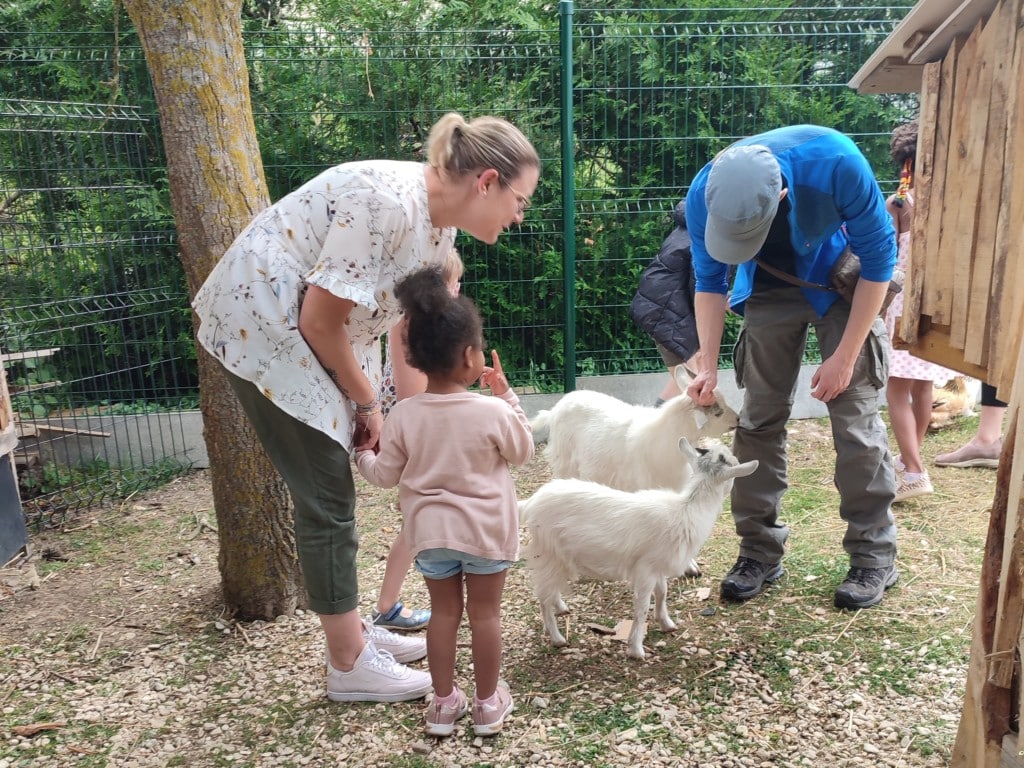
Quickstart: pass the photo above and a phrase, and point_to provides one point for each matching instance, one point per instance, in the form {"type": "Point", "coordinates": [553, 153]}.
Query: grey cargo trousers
{"type": "Point", "coordinates": [768, 357]}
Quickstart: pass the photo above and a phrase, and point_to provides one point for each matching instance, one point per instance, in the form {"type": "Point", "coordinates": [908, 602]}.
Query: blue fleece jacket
{"type": "Point", "coordinates": [834, 200]}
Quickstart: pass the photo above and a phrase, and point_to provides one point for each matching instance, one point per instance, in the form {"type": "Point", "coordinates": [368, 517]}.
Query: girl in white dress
{"type": "Point", "coordinates": [911, 379]}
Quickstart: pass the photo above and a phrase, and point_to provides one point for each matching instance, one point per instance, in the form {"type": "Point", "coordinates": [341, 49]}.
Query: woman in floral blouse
{"type": "Point", "coordinates": [295, 310]}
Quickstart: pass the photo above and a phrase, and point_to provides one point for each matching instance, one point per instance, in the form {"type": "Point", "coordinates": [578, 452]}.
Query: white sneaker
{"type": "Point", "coordinates": [402, 647]}
{"type": "Point", "coordinates": [911, 489]}
{"type": "Point", "coordinates": [376, 676]}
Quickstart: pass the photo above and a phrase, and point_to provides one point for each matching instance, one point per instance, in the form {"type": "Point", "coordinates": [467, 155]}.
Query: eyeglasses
{"type": "Point", "coordinates": [524, 201]}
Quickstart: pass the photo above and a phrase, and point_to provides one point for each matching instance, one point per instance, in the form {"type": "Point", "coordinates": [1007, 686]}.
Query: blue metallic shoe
{"type": "Point", "coordinates": [393, 619]}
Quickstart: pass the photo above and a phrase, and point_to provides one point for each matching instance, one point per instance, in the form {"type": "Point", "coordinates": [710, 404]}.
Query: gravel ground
{"type": "Point", "coordinates": [124, 657]}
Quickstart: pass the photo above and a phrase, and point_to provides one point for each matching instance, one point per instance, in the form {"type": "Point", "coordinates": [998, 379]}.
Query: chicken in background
{"type": "Point", "coordinates": [955, 399]}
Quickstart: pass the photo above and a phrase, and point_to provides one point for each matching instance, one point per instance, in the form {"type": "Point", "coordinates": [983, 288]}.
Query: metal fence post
{"type": "Point", "coordinates": [568, 198]}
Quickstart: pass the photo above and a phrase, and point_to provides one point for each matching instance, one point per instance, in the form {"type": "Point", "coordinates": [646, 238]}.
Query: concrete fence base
{"type": "Point", "coordinates": [141, 440]}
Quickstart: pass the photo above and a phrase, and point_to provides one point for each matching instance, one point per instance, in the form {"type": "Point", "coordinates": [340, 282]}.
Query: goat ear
{"type": "Point", "coordinates": [687, 450]}
{"type": "Point", "coordinates": [682, 376]}
{"type": "Point", "coordinates": [742, 470]}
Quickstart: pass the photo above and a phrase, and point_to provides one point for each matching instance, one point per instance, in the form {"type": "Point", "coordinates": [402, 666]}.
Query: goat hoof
{"type": "Point", "coordinates": [635, 654]}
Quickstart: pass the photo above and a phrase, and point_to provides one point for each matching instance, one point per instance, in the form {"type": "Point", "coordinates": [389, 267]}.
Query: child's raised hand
{"type": "Point", "coordinates": [493, 376]}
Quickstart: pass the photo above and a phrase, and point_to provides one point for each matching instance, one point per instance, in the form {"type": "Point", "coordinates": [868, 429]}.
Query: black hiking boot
{"type": "Point", "coordinates": [865, 587]}
{"type": "Point", "coordinates": [748, 578]}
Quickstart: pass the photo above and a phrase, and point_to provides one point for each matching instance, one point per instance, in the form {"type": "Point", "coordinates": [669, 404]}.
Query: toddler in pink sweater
{"type": "Point", "coordinates": [448, 450]}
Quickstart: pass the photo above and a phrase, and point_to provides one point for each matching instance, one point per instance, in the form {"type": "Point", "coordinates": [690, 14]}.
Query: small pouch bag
{"type": "Point", "coordinates": [842, 279]}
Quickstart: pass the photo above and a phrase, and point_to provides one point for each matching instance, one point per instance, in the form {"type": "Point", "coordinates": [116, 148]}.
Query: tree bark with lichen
{"type": "Point", "coordinates": [197, 64]}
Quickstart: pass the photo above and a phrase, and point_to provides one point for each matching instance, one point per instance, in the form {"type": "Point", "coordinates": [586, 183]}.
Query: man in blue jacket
{"type": "Point", "coordinates": [793, 199]}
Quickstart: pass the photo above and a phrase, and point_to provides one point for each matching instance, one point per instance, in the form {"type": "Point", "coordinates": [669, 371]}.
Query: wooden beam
{"type": "Point", "coordinates": [933, 345]}
{"type": "Point", "coordinates": [894, 75]}
{"type": "Point", "coordinates": [924, 168]}
{"type": "Point", "coordinates": [1012, 752]}
{"type": "Point", "coordinates": [932, 298]}
{"type": "Point", "coordinates": [959, 22]}
{"type": "Point", "coordinates": [1007, 319]}
{"type": "Point", "coordinates": [1003, 84]}
{"type": "Point", "coordinates": [42, 426]}
{"type": "Point", "coordinates": [970, 124]}
{"type": "Point", "coordinates": [29, 355]}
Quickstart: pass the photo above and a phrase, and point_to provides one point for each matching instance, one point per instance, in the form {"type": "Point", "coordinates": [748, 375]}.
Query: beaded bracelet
{"type": "Point", "coordinates": [371, 408]}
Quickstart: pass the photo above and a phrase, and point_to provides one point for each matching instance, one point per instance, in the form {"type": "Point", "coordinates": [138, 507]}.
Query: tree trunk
{"type": "Point", "coordinates": [196, 61]}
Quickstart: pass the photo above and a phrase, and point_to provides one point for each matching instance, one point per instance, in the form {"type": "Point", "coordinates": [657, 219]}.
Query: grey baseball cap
{"type": "Point", "coordinates": [742, 196]}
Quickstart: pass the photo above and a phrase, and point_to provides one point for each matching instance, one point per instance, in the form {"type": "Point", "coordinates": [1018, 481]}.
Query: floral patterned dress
{"type": "Point", "coordinates": [354, 230]}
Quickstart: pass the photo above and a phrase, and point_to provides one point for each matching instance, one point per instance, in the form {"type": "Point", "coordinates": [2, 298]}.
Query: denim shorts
{"type": "Point", "coordinates": [445, 563]}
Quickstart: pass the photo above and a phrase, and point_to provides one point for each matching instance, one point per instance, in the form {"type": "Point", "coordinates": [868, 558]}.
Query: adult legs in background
{"type": "Point", "coordinates": [671, 389]}
{"type": "Point", "coordinates": [984, 449]}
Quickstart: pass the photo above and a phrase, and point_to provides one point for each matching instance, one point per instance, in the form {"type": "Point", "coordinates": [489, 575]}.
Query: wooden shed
{"type": "Point", "coordinates": [13, 536]}
{"type": "Point", "coordinates": [964, 305]}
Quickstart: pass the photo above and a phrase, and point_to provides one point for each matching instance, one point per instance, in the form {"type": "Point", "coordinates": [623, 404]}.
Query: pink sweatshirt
{"type": "Point", "coordinates": [449, 455]}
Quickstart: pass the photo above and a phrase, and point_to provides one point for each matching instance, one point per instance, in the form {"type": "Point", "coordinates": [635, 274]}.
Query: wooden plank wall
{"type": "Point", "coordinates": [964, 306]}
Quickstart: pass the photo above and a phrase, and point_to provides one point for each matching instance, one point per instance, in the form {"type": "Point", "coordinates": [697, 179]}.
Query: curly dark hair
{"type": "Point", "coordinates": [440, 325]}
{"type": "Point", "coordinates": [903, 143]}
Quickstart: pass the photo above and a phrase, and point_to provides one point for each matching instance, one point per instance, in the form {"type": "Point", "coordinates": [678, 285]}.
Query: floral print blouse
{"type": "Point", "coordinates": [354, 230]}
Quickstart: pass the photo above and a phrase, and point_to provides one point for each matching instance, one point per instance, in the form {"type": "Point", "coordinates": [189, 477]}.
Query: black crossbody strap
{"type": "Point", "coordinates": [791, 279]}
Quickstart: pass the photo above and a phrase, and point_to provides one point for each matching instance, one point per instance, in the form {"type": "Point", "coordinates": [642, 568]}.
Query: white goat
{"type": "Point", "coordinates": [593, 436]}
{"type": "Point", "coordinates": [581, 529]}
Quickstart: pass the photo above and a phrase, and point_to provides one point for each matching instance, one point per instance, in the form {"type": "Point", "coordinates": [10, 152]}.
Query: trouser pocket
{"type": "Point", "coordinates": [739, 356]}
{"type": "Point", "coordinates": [877, 353]}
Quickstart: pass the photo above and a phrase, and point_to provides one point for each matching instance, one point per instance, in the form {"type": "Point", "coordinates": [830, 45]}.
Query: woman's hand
{"type": "Point", "coordinates": [494, 377]}
{"type": "Point", "coordinates": [367, 434]}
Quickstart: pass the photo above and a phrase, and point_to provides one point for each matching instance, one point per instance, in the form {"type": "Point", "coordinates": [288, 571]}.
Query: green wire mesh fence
{"type": "Point", "coordinates": [94, 318]}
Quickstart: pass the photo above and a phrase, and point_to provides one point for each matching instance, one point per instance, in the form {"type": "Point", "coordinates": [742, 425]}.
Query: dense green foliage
{"type": "Point", "coordinates": [85, 227]}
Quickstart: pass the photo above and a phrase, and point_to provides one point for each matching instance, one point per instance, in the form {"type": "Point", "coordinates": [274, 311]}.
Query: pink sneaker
{"type": "Point", "coordinates": [489, 715]}
{"type": "Point", "coordinates": [972, 455]}
{"type": "Point", "coordinates": [442, 713]}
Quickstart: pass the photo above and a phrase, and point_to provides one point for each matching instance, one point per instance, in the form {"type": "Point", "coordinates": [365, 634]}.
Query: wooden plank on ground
{"type": "Point", "coordinates": [32, 354]}
{"type": "Point", "coordinates": [1003, 84]}
{"type": "Point", "coordinates": [43, 426]}
{"type": "Point", "coordinates": [936, 281]}
{"type": "Point", "coordinates": [924, 165]}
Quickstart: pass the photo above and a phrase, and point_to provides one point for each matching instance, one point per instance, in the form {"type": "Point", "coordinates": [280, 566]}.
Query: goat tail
{"type": "Point", "coordinates": [524, 511]}
{"type": "Point", "coordinates": [541, 425]}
